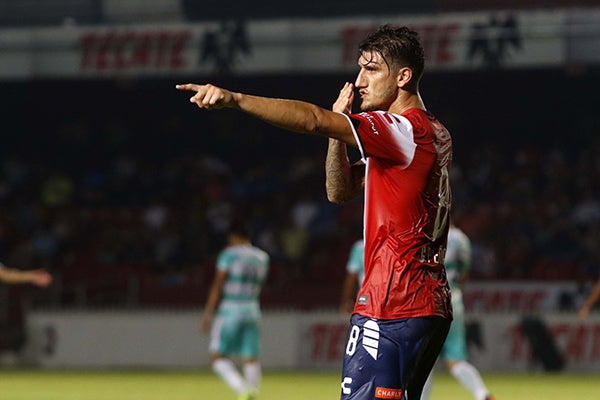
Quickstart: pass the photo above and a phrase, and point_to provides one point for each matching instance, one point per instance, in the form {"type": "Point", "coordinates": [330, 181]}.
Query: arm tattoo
{"type": "Point", "coordinates": [343, 181]}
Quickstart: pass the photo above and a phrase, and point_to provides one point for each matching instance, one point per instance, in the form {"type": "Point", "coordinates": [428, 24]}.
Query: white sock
{"type": "Point", "coordinates": [253, 374]}
{"type": "Point", "coordinates": [227, 371]}
{"type": "Point", "coordinates": [469, 377]}
{"type": "Point", "coordinates": [426, 393]}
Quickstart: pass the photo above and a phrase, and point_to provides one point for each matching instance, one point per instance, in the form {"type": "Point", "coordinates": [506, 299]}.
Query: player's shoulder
{"type": "Point", "coordinates": [250, 251]}
{"type": "Point", "coordinates": [457, 234]}
{"type": "Point", "coordinates": [235, 251]}
{"type": "Point", "coordinates": [379, 116]}
{"type": "Point", "coordinates": [421, 120]}
{"type": "Point", "coordinates": [261, 253]}
{"type": "Point", "coordinates": [360, 243]}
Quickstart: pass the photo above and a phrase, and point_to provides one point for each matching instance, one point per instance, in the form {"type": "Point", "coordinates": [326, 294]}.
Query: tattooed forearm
{"type": "Point", "coordinates": [342, 180]}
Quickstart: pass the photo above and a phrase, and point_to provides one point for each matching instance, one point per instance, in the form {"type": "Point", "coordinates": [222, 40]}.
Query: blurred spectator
{"type": "Point", "coordinates": [57, 189]}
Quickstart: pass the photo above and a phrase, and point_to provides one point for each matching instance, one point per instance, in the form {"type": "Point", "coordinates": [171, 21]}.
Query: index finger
{"type": "Point", "coordinates": [188, 86]}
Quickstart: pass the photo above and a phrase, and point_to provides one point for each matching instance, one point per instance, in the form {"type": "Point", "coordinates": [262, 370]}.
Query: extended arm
{"type": "Point", "coordinates": [342, 180]}
{"type": "Point", "coordinates": [590, 301]}
{"type": "Point", "coordinates": [38, 277]}
{"type": "Point", "coordinates": [349, 293]}
{"type": "Point", "coordinates": [293, 115]}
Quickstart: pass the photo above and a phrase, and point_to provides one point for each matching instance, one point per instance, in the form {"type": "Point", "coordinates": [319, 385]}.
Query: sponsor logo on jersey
{"type": "Point", "coordinates": [387, 393]}
{"type": "Point", "coordinates": [370, 119]}
{"type": "Point", "coordinates": [346, 389]}
{"type": "Point", "coordinates": [363, 299]}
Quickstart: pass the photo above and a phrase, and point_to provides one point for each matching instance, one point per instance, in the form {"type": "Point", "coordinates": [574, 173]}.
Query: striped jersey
{"type": "Point", "coordinates": [356, 261]}
{"type": "Point", "coordinates": [458, 256]}
{"type": "Point", "coordinates": [247, 268]}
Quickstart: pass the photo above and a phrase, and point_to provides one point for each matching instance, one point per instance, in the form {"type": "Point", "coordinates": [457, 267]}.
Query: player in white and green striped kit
{"type": "Point", "coordinates": [454, 352]}
{"type": "Point", "coordinates": [355, 274]}
{"type": "Point", "coordinates": [233, 301]}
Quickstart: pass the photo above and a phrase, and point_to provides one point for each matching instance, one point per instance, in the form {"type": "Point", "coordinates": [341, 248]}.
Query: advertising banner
{"type": "Point", "coordinates": [522, 296]}
{"type": "Point", "coordinates": [456, 41]}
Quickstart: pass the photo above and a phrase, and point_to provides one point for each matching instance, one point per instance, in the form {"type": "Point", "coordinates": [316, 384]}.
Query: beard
{"type": "Point", "coordinates": [366, 106]}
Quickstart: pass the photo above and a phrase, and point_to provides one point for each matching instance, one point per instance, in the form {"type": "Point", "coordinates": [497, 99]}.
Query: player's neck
{"type": "Point", "coordinates": [237, 241]}
{"type": "Point", "coordinates": [405, 101]}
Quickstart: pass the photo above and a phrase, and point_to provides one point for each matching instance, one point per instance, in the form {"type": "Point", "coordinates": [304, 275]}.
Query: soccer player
{"type": "Point", "coordinates": [454, 352]}
{"type": "Point", "coordinates": [403, 311]}
{"type": "Point", "coordinates": [241, 271]}
{"type": "Point", "coordinates": [355, 275]}
{"type": "Point", "coordinates": [38, 277]}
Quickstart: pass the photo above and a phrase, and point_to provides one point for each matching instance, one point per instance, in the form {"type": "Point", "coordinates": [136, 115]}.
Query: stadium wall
{"type": "Point", "coordinates": [452, 41]}
{"type": "Point", "coordinates": [316, 340]}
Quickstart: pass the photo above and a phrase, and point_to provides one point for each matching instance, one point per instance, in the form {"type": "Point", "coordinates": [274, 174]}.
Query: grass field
{"type": "Point", "coordinates": [203, 385]}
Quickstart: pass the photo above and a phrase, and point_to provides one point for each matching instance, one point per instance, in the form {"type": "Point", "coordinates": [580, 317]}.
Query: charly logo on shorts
{"type": "Point", "coordinates": [387, 393]}
{"type": "Point", "coordinates": [370, 341]}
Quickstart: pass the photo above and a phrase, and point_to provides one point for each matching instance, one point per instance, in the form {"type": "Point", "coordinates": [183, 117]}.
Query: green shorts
{"type": "Point", "coordinates": [455, 346]}
{"type": "Point", "coordinates": [235, 336]}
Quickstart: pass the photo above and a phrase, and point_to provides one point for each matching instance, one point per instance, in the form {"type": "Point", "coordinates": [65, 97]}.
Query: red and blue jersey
{"type": "Point", "coordinates": [407, 204]}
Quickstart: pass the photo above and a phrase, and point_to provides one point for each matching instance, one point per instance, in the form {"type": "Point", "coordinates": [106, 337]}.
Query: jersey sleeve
{"type": "Point", "coordinates": [224, 260]}
{"type": "Point", "coordinates": [384, 135]}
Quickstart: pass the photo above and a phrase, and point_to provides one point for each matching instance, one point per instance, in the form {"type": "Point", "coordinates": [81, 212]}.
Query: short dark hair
{"type": "Point", "coordinates": [239, 227]}
{"type": "Point", "coordinates": [398, 46]}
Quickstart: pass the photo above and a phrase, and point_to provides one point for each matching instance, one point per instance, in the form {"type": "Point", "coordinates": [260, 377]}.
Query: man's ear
{"type": "Point", "coordinates": [404, 77]}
